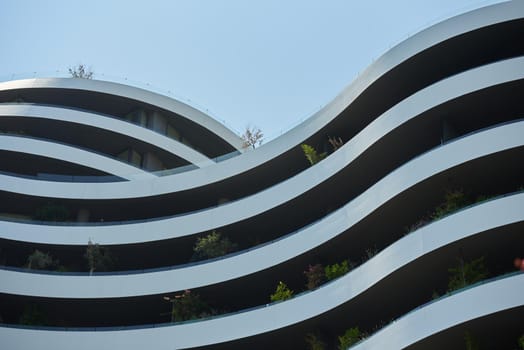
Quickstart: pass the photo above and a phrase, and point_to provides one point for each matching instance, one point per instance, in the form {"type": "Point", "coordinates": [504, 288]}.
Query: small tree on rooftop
{"type": "Point", "coordinates": [81, 71]}
{"type": "Point", "coordinates": [252, 137]}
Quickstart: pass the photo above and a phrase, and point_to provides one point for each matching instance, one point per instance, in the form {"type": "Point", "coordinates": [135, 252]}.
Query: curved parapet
{"type": "Point", "coordinates": [187, 112]}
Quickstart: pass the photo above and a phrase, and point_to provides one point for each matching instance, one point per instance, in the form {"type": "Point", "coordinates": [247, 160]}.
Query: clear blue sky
{"type": "Point", "coordinates": [268, 63]}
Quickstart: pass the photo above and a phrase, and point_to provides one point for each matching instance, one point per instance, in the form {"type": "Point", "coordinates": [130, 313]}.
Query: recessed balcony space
{"type": "Point", "coordinates": [124, 108]}
{"type": "Point", "coordinates": [104, 142]}
{"type": "Point", "coordinates": [49, 169]}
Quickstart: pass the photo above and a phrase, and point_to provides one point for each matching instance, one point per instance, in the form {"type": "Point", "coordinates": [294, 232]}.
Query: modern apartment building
{"type": "Point", "coordinates": [129, 220]}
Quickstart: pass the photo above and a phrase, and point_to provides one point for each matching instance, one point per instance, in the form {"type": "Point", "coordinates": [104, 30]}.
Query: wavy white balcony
{"type": "Point", "coordinates": [474, 146]}
{"type": "Point", "coordinates": [59, 151]}
{"type": "Point", "coordinates": [488, 298]}
{"type": "Point", "coordinates": [114, 125]}
{"type": "Point", "coordinates": [464, 224]}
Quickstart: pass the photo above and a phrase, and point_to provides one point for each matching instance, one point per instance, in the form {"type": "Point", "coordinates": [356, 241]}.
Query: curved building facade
{"type": "Point", "coordinates": [392, 218]}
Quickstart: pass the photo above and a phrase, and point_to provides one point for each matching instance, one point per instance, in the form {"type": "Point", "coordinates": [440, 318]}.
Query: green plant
{"type": "Point", "coordinates": [336, 270]}
{"type": "Point", "coordinates": [98, 257]}
{"type": "Point", "coordinates": [315, 276]}
{"type": "Point", "coordinates": [314, 342]}
{"type": "Point", "coordinates": [41, 261]}
{"type": "Point", "coordinates": [187, 306]}
{"type": "Point", "coordinates": [466, 273]}
{"type": "Point", "coordinates": [453, 200]}
{"type": "Point", "coordinates": [520, 341]}
{"type": "Point", "coordinates": [211, 246]}
{"type": "Point", "coordinates": [471, 342]}
{"type": "Point", "coordinates": [52, 212]}
{"type": "Point", "coordinates": [350, 337]}
{"type": "Point", "coordinates": [281, 293]}
{"type": "Point", "coordinates": [33, 316]}
{"type": "Point", "coordinates": [311, 154]}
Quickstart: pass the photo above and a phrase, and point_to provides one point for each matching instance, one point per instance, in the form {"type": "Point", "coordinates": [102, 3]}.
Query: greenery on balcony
{"type": "Point", "coordinates": [466, 273]}
{"type": "Point", "coordinates": [311, 154]}
{"type": "Point", "coordinates": [336, 270]}
{"type": "Point", "coordinates": [281, 293]}
{"type": "Point", "coordinates": [454, 200]}
{"type": "Point", "coordinates": [33, 316]}
{"type": "Point", "coordinates": [212, 246]}
{"type": "Point", "coordinates": [314, 341]}
{"type": "Point", "coordinates": [190, 305]}
{"type": "Point", "coordinates": [187, 306]}
{"type": "Point", "coordinates": [52, 212]}
{"type": "Point", "coordinates": [350, 337]}
{"type": "Point", "coordinates": [315, 276]}
{"type": "Point", "coordinates": [41, 261]}
{"type": "Point", "coordinates": [98, 258]}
